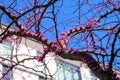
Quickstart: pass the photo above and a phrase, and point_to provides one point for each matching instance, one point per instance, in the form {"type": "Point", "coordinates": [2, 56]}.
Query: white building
{"type": "Point", "coordinates": [22, 53]}
{"type": "Point", "coordinates": [18, 58]}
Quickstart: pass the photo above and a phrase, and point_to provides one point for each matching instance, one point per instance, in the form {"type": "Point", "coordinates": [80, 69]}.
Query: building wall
{"type": "Point", "coordinates": [23, 48]}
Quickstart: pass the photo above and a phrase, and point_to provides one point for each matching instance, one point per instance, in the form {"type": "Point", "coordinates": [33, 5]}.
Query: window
{"type": "Point", "coordinates": [6, 51]}
{"type": "Point", "coordinates": [41, 66]}
{"type": "Point", "coordinates": [7, 73]}
{"type": "Point", "coordinates": [67, 71]}
{"type": "Point", "coordinates": [6, 48]}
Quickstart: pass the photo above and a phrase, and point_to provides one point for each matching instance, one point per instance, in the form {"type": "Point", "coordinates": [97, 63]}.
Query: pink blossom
{"type": "Point", "coordinates": [19, 24]}
{"type": "Point", "coordinates": [95, 68]}
{"type": "Point", "coordinates": [2, 6]}
{"type": "Point", "coordinates": [46, 49]}
{"type": "Point", "coordinates": [72, 51]}
{"type": "Point", "coordinates": [88, 62]}
{"type": "Point", "coordinates": [91, 23]}
{"type": "Point", "coordinates": [11, 56]}
{"type": "Point", "coordinates": [25, 29]}
{"type": "Point", "coordinates": [52, 45]}
{"type": "Point", "coordinates": [71, 29]}
{"type": "Point", "coordinates": [102, 49]}
{"type": "Point", "coordinates": [46, 39]}
{"type": "Point", "coordinates": [7, 38]}
{"type": "Point", "coordinates": [94, 45]}
{"type": "Point", "coordinates": [16, 30]}
{"type": "Point", "coordinates": [63, 33]}
{"type": "Point", "coordinates": [28, 33]}
{"type": "Point", "coordinates": [85, 60]}
{"type": "Point", "coordinates": [116, 79]}
{"type": "Point", "coordinates": [40, 36]}
{"type": "Point", "coordinates": [1, 62]}
{"type": "Point", "coordinates": [63, 37]}
{"type": "Point", "coordinates": [77, 28]}
{"type": "Point", "coordinates": [9, 13]}
{"type": "Point", "coordinates": [99, 70]}
{"type": "Point", "coordinates": [111, 31]}
{"type": "Point", "coordinates": [114, 74]}
{"type": "Point", "coordinates": [80, 26]}
{"type": "Point", "coordinates": [40, 58]}
{"type": "Point", "coordinates": [56, 58]}
{"type": "Point", "coordinates": [38, 19]}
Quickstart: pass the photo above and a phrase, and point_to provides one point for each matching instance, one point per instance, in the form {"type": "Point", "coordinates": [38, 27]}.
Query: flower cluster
{"type": "Point", "coordinates": [72, 30]}
{"type": "Point", "coordinates": [114, 76]}
{"type": "Point", "coordinates": [41, 57]}
{"type": "Point", "coordinates": [92, 22]}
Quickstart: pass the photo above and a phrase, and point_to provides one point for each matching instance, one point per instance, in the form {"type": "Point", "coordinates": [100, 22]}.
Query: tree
{"type": "Point", "coordinates": [82, 30]}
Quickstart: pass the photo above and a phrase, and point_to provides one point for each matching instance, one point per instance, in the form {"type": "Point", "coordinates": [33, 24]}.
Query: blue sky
{"type": "Point", "coordinates": [67, 18]}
